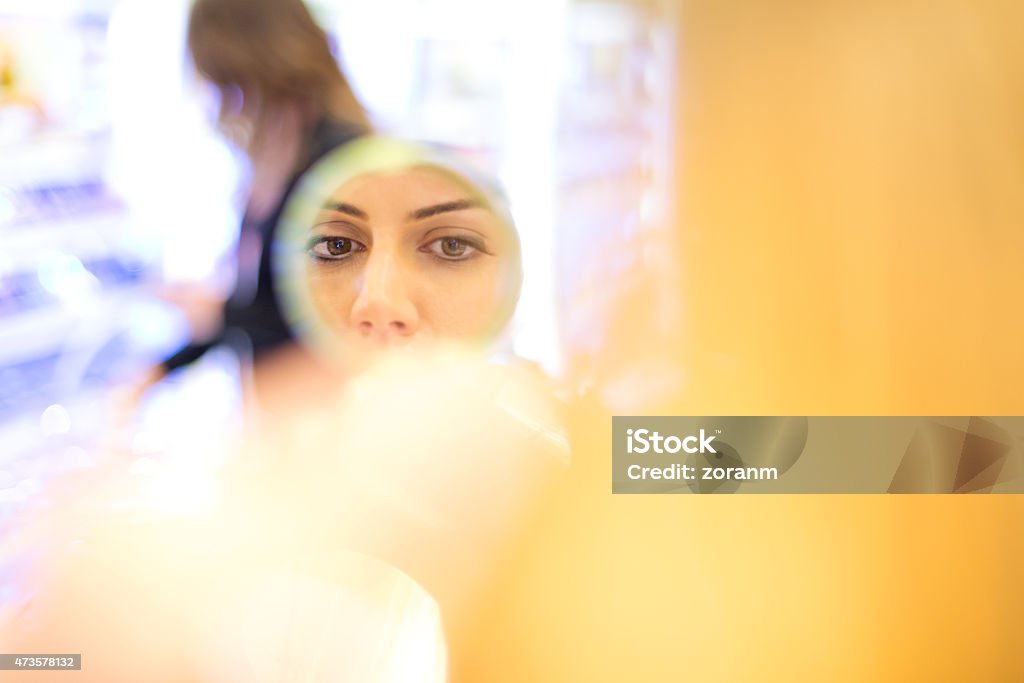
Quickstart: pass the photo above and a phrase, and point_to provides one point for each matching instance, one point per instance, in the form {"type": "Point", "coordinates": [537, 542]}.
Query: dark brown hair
{"type": "Point", "coordinates": [262, 53]}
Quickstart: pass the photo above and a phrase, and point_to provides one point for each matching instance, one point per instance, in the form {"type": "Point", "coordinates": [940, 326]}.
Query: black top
{"type": "Point", "coordinates": [257, 314]}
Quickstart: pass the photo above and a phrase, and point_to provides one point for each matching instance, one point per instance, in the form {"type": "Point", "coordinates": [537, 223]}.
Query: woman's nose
{"type": "Point", "coordinates": [382, 308]}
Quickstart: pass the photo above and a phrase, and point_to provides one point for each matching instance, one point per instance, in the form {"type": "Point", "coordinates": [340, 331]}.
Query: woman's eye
{"type": "Point", "coordinates": [451, 248]}
{"type": "Point", "coordinates": [334, 248]}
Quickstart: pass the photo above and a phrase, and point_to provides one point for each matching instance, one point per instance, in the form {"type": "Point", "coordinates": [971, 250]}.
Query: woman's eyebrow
{"type": "Point", "coordinates": [458, 205]}
{"type": "Point", "coordinates": [342, 207]}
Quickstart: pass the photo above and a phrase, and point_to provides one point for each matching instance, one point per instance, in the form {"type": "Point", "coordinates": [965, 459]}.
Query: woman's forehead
{"type": "Point", "coordinates": [410, 196]}
{"type": "Point", "coordinates": [412, 187]}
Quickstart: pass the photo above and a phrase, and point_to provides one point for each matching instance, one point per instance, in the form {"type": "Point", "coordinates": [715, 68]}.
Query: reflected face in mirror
{"type": "Point", "coordinates": [410, 255]}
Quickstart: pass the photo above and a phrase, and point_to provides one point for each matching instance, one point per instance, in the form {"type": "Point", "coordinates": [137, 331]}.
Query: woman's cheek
{"type": "Point", "coordinates": [476, 303]}
{"type": "Point", "coordinates": [332, 298]}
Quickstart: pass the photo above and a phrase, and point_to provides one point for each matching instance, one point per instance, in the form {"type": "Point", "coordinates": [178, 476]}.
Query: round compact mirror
{"type": "Point", "coordinates": [386, 244]}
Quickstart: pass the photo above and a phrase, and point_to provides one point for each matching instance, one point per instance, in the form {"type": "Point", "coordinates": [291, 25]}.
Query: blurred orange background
{"type": "Point", "coordinates": [846, 240]}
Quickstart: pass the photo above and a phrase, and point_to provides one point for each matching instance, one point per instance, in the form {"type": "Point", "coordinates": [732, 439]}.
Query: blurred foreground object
{"type": "Point", "coordinates": [355, 529]}
{"type": "Point", "coordinates": [431, 460]}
